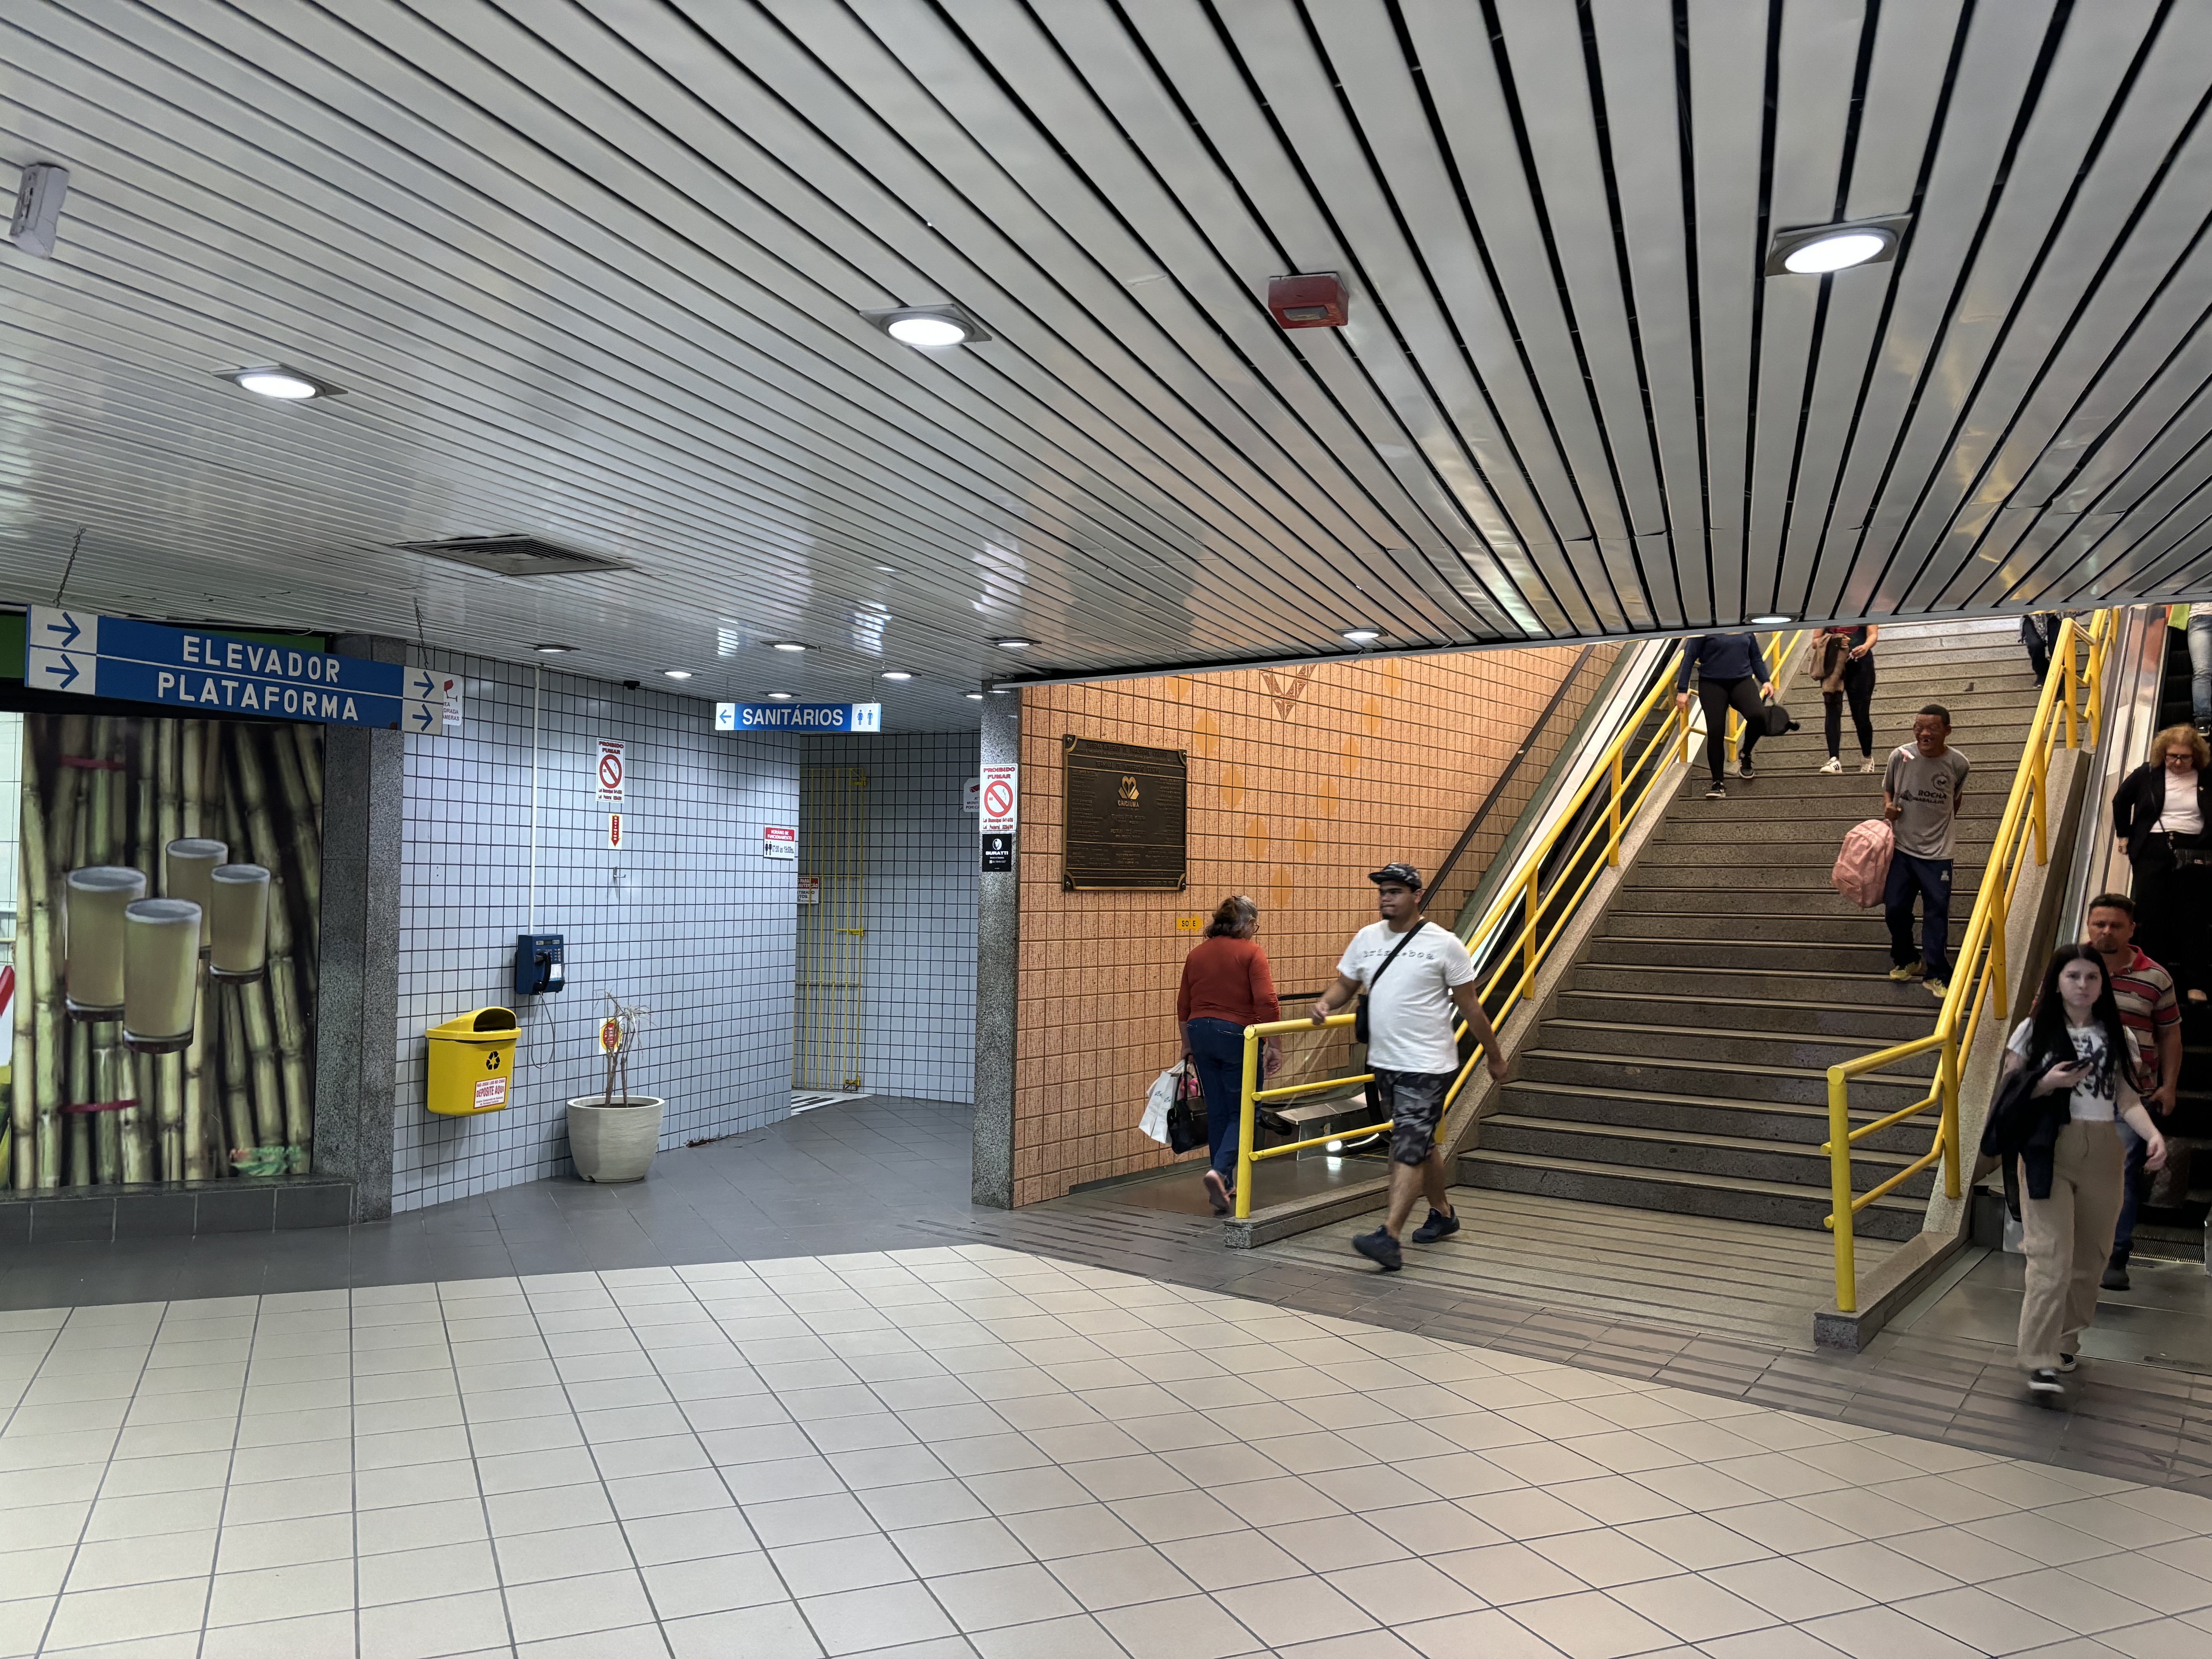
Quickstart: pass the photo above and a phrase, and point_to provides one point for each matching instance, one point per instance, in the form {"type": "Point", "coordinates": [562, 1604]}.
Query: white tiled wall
{"type": "Point", "coordinates": [917, 967]}
{"type": "Point", "coordinates": [687, 918]}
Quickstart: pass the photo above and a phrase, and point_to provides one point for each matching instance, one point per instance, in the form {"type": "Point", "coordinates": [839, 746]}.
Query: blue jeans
{"type": "Point", "coordinates": [2200, 667]}
{"type": "Point", "coordinates": [1216, 1048]}
{"type": "Point", "coordinates": [1930, 879]}
{"type": "Point", "coordinates": [2136, 1189]}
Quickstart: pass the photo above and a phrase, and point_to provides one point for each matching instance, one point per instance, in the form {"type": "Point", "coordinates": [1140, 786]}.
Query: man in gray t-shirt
{"type": "Point", "coordinates": [1921, 792]}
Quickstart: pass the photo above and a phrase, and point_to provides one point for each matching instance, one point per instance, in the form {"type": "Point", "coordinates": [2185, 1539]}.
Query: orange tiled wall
{"type": "Point", "coordinates": [1301, 781]}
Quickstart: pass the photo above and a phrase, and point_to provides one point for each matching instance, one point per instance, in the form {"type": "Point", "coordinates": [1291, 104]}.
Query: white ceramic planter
{"type": "Point", "coordinates": [616, 1142]}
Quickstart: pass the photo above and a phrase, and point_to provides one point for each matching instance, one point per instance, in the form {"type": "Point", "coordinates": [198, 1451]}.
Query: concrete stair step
{"type": "Point", "coordinates": [1620, 1068]}
{"type": "Point", "coordinates": [1759, 854]}
{"type": "Point", "coordinates": [1850, 926]}
{"type": "Point", "coordinates": [1743, 1158]}
{"type": "Point", "coordinates": [1772, 1203]}
{"type": "Point", "coordinates": [1759, 957]}
{"type": "Point", "coordinates": [1811, 1052]}
{"type": "Point", "coordinates": [1749, 1120]}
{"type": "Point", "coordinates": [1812, 794]}
{"type": "Point", "coordinates": [1721, 985]}
{"type": "Point", "coordinates": [1851, 1021]}
{"type": "Point", "coordinates": [1707, 905]}
{"type": "Point", "coordinates": [1771, 831]}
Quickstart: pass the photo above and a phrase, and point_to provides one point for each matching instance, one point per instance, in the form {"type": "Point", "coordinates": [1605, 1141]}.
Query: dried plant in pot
{"type": "Point", "coordinates": [613, 1134]}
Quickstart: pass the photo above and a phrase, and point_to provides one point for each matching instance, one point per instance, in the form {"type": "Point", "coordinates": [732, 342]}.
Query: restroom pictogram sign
{"type": "Point", "coordinates": [612, 772]}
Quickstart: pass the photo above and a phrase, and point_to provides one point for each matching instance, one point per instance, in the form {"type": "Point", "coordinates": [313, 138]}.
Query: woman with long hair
{"type": "Point", "coordinates": [1225, 988]}
{"type": "Point", "coordinates": [2073, 1167]}
{"type": "Point", "coordinates": [2163, 811]}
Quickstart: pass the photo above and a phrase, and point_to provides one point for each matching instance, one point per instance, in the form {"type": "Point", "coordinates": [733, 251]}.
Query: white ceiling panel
{"type": "Point", "coordinates": [603, 271]}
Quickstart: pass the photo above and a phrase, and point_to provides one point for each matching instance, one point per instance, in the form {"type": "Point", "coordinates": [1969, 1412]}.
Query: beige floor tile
{"type": "Point", "coordinates": [1591, 1625]}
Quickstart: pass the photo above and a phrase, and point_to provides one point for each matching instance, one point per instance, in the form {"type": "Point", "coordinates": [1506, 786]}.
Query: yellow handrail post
{"type": "Point", "coordinates": [2064, 648]}
{"type": "Point", "coordinates": [1528, 938]}
{"type": "Point", "coordinates": [2041, 762]}
{"type": "Point", "coordinates": [1947, 1079]}
{"type": "Point", "coordinates": [2099, 636]}
{"type": "Point", "coordinates": [1612, 842]}
{"type": "Point", "coordinates": [1998, 914]}
{"type": "Point", "coordinates": [1244, 1115]}
{"type": "Point", "coordinates": [1840, 1189]}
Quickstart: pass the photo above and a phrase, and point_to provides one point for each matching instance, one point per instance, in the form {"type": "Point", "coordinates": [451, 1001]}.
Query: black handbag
{"type": "Point", "coordinates": [1359, 1008]}
{"type": "Point", "coordinates": [1186, 1113]}
{"type": "Point", "coordinates": [1776, 718]}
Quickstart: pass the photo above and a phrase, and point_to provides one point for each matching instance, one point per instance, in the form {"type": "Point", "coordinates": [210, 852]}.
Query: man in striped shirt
{"type": "Point", "coordinates": [2153, 1016]}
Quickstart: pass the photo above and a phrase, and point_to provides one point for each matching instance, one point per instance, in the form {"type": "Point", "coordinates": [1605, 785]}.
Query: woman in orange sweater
{"type": "Point", "coordinates": [1225, 988]}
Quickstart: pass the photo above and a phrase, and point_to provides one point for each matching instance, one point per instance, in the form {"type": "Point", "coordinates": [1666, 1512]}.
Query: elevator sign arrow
{"type": "Point", "coordinates": [85, 654]}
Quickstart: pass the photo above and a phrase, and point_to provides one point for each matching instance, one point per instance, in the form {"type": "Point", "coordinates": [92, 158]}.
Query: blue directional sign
{"type": "Point", "coordinates": [846, 717]}
{"type": "Point", "coordinates": [186, 669]}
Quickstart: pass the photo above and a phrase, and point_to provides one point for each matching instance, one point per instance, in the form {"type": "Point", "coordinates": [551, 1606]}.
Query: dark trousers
{"type": "Point", "coordinates": [1717, 697]}
{"type": "Point", "coordinates": [2137, 1189]}
{"type": "Point", "coordinates": [1216, 1048]}
{"type": "Point", "coordinates": [1858, 686]}
{"type": "Point", "coordinates": [2173, 908]}
{"type": "Point", "coordinates": [1930, 879]}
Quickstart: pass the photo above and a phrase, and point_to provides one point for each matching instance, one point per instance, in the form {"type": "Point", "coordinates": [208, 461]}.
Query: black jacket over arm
{"type": "Point", "coordinates": [2141, 798]}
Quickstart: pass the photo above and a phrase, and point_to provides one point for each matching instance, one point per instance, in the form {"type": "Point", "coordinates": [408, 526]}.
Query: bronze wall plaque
{"type": "Point", "coordinates": [1125, 818]}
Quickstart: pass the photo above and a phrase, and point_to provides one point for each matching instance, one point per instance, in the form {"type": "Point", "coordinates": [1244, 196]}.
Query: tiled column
{"type": "Point", "coordinates": [997, 967]}
{"type": "Point", "coordinates": [357, 1000]}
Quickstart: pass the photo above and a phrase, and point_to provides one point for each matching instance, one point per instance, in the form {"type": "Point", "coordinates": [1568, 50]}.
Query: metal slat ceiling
{"type": "Point", "coordinates": [599, 270]}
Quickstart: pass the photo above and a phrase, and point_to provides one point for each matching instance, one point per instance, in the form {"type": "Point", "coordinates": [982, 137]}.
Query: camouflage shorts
{"type": "Point", "coordinates": [1415, 1103]}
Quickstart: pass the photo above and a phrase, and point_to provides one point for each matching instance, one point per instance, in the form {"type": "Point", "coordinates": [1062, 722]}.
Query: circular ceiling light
{"type": "Point", "coordinates": [897, 674]}
{"type": "Point", "coordinates": [926, 331]}
{"type": "Point", "coordinates": [788, 645]}
{"type": "Point", "coordinates": [552, 650]}
{"type": "Point", "coordinates": [1769, 621]}
{"type": "Point", "coordinates": [677, 673]}
{"type": "Point", "coordinates": [1362, 635]}
{"type": "Point", "coordinates": [1012, 645]}
{"type": "Point", "coordinates": [277, 381]}
{"type": "Point", "coordinates": [1853, 247]}
{"type": "Point", "coordinates": [781, 697]}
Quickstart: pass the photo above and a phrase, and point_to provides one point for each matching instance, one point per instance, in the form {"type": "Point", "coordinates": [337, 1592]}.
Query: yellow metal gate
{"type": "Point", "coordinates": [833, 845]}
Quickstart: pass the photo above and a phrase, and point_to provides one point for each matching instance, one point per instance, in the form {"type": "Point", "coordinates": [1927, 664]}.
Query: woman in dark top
{"type": "Point", "coordinates": [1731, 674]}
{"type": "Point", "coordinates": [1842, 659]}
{"type": "Point", "coordinates": [1225, 988]}
{"type": "Point", "coordinates": [2163, 811]}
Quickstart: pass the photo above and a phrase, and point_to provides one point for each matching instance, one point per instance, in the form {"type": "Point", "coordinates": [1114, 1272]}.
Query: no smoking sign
{"type": "Point", "coordinates": [1001, 801]}
{"type": "Point", "coordinates": [612, 771]}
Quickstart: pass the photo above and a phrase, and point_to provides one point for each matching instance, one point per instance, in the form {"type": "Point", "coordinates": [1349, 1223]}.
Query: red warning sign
{"type": "Point", "coordinates": [1001, 800]}
{"type": "Point", "coordinates": [611, 773]}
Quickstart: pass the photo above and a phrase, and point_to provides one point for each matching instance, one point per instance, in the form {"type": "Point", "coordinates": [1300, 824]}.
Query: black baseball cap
{"type": "Point", "coordinates": [1403, 874]}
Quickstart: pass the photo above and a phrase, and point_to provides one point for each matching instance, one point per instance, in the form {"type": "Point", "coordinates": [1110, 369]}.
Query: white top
{"type": "Point", "coordinates": [2180, 816]}
{"type": "Point", "coordinates": [1410, 1015]}
{"type": "Point", "coordinates": [2088, 1044]}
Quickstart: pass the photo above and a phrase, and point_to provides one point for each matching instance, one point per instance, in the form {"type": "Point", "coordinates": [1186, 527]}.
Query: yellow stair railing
{"type": "Point", "coordinates": [1545, 914]}
{"type": "Point", "coordinates": [1977, 978]}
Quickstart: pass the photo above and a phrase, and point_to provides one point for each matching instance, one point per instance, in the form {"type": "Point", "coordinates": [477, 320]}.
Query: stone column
{"type": "Point", "coordinates": [998, 973]}
{"type": "Point", "coordinates": [357, 999]}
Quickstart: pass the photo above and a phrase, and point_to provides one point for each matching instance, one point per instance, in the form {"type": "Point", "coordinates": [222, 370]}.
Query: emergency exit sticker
{"type": "Point", "coordinates": [614, 831]}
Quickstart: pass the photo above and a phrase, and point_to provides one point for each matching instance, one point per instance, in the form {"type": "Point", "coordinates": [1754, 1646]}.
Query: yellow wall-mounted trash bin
{"type": "Point", "coordinates": [472, 1063]}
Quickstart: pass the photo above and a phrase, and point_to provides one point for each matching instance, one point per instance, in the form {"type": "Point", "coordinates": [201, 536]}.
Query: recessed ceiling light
{"type": "Point", "coordinates": [788, 645]}
{"type": "Point", "coordinates": [887, 570]}
{"type": "Point", "coordinates": [552, 650]}
{"type": "Point", "coordinates": [781, 697]}
{"type": "Point", "coordinates": [277, 381]}
{"type": "Point", "coordinates": [930, 327]}
{"type": "Point", "coordinates": [1768, 621]}
{"type": "Point", "coordinates": [1362, 635]}
{"type": "Point", "coordinates": [678, 673]}
{"type": "Point", "coordinates": [973, 696]}
{"type": "Point", "coordinates": [897, 674]}
{"type": "Point", "coordinates": [1818, 250]}
{"type": "Point", "coordinates": [1012, 645]}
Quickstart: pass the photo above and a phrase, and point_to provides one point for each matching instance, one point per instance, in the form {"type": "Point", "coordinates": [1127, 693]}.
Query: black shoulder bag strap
{"type": "Point", "coordinates": [1359, 1012]}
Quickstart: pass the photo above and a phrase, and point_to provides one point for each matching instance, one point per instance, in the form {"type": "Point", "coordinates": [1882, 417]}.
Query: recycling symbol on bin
{"type": "Point", "coordinates": [491, 1061]}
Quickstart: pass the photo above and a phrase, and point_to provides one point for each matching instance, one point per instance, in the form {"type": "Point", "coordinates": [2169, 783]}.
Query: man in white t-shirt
{"type": "Point", "coordinates": [1415, 975]}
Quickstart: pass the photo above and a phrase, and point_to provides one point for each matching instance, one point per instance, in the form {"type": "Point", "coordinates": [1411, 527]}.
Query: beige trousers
{"type": "Point", "coordinates": [2068, 1239]}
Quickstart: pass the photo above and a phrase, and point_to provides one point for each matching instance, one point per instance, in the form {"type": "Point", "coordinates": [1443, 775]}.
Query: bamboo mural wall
{"type": "Point", "coordinates": [101, 790]}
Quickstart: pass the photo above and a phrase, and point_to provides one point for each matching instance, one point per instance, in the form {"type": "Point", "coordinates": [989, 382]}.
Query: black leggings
{"type": "Point", "coordinates": [1858, 686]}
{"type": "Point", "coordinates": [2175, 906]}
{"type": "Point", "coordinates": [1718, 696]}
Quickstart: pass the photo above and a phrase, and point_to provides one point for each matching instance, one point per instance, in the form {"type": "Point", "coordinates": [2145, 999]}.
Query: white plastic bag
{"type": "Point", "coordinates": [1162, 1096]}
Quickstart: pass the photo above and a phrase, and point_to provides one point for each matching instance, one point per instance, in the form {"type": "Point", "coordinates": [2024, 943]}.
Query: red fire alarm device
{"type": "Point", "coordinates": [1314, 301]}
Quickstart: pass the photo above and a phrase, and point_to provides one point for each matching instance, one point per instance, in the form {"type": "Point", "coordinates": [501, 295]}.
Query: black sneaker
{"type": "Point", "coordinates": [2115, 1279]}
{"type": "Point", "coordinates": [1381, 1249]}
{"type": "Point", "coordinates": [2068, 1363]}
{"type": "Point", "coordinates": [1436, 1227]}
{"type": "Point", "coordinates": [1743, 770]}
{"type": "Point", "coordinates": [1717, 793]}
{"type": "Point", "coordinates": [2044, 1384]}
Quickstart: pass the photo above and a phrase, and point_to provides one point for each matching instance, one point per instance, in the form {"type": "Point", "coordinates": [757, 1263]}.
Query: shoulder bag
{"type": "Point", "coordinates": [1359, 1008]}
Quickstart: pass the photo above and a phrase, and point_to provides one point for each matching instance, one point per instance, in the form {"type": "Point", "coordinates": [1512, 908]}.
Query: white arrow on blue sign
{"type": "Point", "coordinates": [90, 655]}
{"type": "Point", "coordinates": [846, 717]}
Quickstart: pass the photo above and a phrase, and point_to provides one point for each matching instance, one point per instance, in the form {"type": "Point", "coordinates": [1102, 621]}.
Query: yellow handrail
{"type": "Point", "coordinates": [1979, 973]}
{"type": "Point", "coordinates": [1631, 786]}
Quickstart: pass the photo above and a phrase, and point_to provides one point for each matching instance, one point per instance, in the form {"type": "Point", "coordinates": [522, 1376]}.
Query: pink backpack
{"type": "Point", "coordinates": [1862, 867]}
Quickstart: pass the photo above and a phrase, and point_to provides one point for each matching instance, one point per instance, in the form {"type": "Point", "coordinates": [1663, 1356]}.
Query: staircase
{"type": "Point", "coordinates": [1683, 1066]}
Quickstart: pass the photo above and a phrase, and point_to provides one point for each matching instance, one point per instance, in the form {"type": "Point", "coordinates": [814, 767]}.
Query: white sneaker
{"type": "Point", "coordinates": [1869, 766]}
{"type": "Point", "coordinates": [1833, 765]}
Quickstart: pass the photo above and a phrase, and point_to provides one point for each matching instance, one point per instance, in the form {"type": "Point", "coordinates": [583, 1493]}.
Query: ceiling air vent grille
{"type": "Point", "coordinates": [514, 556]}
